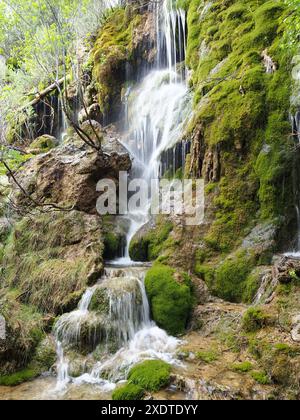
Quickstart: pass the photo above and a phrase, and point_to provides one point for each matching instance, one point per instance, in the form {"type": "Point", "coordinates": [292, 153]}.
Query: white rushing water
{"type": "Point", "coordinates": [156, 113]}
{"type": "Point", "coordinates": [128, 325]}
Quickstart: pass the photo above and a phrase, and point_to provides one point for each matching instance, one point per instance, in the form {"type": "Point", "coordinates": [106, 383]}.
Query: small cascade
{"type": "Point", "coordinates": [174, 159]}
{"type": "Point", "coordinates": [295, 125]}
{"type": "Point", "coordinates": [113, 321]}
{"type": "Point", "coordinates": [295, 122]}
{"type": "Point", "coordinates": [171, 42]}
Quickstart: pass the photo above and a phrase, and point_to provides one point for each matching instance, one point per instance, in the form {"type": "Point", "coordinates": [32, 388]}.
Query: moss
{"type": "Point", "coordinates": [113, 245]}
{"type": "Point", "coordinates": [254, 319]}
{"type": "Point", "coordinates": [148, 246]}
{"type": "Point", "coordinates": [19, 377]}
{"type": "Point", "coordinates": [43, 144]}
{"type": "Point", "coordinates": [35, 261]}
{"type": "Point", "coordinates": [100, 301]}
{"type": "Point", "coordinates": [231, 277]}
{"type": "Point", "coordinates": [243, 367]}
{"type": "Point", "coordinates": [244, 112]}
{"type": "Point", "coordinates": [207, 356]}
{"type": "Point", "coordinates": [24, 332]}
{"type": "Point", "coordinates": [261, 378]}
{"type": "Point", "coordinates": [170, 300]}
{"type": "Point", "coordinates": [13, 159]}
{"type": "Point", "coordinates": [151, 375]}
{"type": "Point", "coordinates": [283, 348]}
{"type": "Point", "coordinates": [252, 284]}
{"type": "Point", "coordinates": [128, 392]}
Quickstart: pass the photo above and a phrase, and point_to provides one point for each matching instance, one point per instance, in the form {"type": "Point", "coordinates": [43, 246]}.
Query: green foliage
{"type": "Point", "coordinates": [254, 319]}
{"type": "Point", "coordinates": [243, 367]}
{"type": "Point", "coordinates": [128, 392]}
{"type": "Point", "coordinates": [170, 300]}
{"type": "Point", "coordinates": [151, 375]}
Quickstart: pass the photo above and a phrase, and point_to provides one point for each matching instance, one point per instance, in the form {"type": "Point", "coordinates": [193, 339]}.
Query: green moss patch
{"type": "Point", "coordinates": [128, 392]}
{"type": "Point", "coordinates": [19, 377]}
{"type": "Point", "coordinates": [149, 246]}
{"type": "Point", "coordinates": [243, 367]}
{"type": "Point", "coordinates": [254, 319]}
{"type": "Point", "coordinates": [151, 375]}
{"type": "Point", "coordinates": [170, 300]}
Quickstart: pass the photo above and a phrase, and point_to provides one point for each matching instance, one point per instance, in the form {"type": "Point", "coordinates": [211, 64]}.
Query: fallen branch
{"type": "Point", "coordinates": [40, 95]}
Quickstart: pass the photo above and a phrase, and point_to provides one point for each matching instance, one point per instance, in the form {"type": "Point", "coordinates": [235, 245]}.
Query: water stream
{"type": "Point", "coordinates": [111, 330]}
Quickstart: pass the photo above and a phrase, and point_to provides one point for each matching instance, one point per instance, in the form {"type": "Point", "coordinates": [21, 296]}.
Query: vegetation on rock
{"type": "Point", "coordinates": [170, 298]}
{"type": "Point", "coordinates": [151, 375]}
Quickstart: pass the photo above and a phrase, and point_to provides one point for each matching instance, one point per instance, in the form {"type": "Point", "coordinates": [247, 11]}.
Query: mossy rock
{"type": "Point", "coordinates": [100, 301]}
{"type": "Point", "coordinates": [43, 144]}
{"type": "Point", "coordinates": [128, 392]}
{"type": "Point", "coordinates": [149, 243]}
{"type": "Point", "coordinates": [255, 319]}
{"type": "Point", "coordinates": [242, 367]}
{"type": "Point", "coordinates": [19, 377]}
{"type": "Point", "coordinates": [261, 378]}
{"type": "Point", "coordinates": [232, 278]}
{"type": "Point", "coordinates": [151, 375]}
{"type": "Point", "coordinates": [170, 300]}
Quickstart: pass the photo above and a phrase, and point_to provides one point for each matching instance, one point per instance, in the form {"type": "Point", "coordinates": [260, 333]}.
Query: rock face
{"type": "Point", "coordinates": [68, 175]}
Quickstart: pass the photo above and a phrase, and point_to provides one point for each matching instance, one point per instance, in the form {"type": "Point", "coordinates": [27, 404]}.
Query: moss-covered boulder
{"type": "Point", "coordinates": [150, 241]}
{"type": "Point", "coordinates": [170, 297]}
{"type": "Point", "coordinates": [128, 392]}
{"type": "Point", "coordinates": [151, 375]}
{"type": "Point", "coordinates": [43, 144]}
{"type": "Point", "coordinates": [53, 256]}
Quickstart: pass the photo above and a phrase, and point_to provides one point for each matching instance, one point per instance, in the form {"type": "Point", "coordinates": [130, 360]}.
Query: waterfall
{"type": "Point", "coordinates": [157, 110]}
{"type": "Point", "coordinates": [295, 126]}
{"type": "Point", "coordinates": [112, 322]}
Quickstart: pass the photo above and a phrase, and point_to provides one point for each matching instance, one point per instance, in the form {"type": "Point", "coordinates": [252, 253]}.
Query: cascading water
{"type": "Point", "coordinates": [295, 125]}
{"type": "Point", "coordinates": [124, 324]}
{"type": "Point", "coordinates": [157, 111]}
{"type": "Point", "coordinates": [119, 333]}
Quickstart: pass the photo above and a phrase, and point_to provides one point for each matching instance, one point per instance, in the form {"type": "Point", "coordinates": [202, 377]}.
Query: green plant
{"type": "Point", "coordinates": [208, 356]}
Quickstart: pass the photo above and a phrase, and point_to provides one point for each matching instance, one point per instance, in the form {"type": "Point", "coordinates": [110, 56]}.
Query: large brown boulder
{"type": "Point", "coordinates": [68, 175]}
